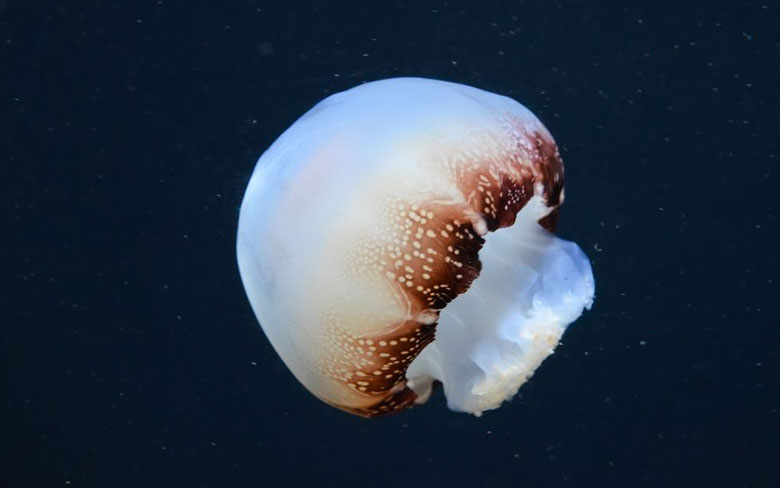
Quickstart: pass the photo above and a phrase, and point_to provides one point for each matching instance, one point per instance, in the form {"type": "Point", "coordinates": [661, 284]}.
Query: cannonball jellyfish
{"type": "Point", "coordinates": [399, 235]}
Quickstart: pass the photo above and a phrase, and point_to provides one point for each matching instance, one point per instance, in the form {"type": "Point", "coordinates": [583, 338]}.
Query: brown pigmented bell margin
{"type": "Point", "coordinates": [548, 161]}
{"type": "Point", "coordinates": [550, 221]}
{"type": "Point", "coordinates": [395, 402]}
{"type": "Point", "coordinates": [451, 259]}
{"type": "Point", "coordinates": [389, 386]}
{"type": "Point", "coordinates": [444, 258]}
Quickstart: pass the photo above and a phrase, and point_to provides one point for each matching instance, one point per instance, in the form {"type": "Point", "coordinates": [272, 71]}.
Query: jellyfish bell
{"type": "Point", "coordinates": [400, 234]}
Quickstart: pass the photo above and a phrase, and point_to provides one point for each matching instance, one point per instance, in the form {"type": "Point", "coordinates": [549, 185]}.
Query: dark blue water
{"type": "Point", "coordinates": [129, 353]}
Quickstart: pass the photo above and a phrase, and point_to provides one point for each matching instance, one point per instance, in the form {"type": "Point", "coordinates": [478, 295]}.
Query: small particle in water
{"type": "Point", "coordinates": [265, 49]}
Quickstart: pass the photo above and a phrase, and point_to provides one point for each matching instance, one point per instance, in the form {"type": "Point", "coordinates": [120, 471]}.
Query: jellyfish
{"type": "Point", "coordinates": [399, 236]}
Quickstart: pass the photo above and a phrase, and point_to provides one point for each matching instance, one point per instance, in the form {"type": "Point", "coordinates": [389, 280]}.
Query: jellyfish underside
{"type": "Point", "coordinates": [490, 339]}
{"type": "Point", "coordinates": [399, 234]}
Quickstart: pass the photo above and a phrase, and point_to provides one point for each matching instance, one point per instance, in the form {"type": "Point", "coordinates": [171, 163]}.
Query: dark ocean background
{"type": "Point", "coordinates": [129, 355]}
